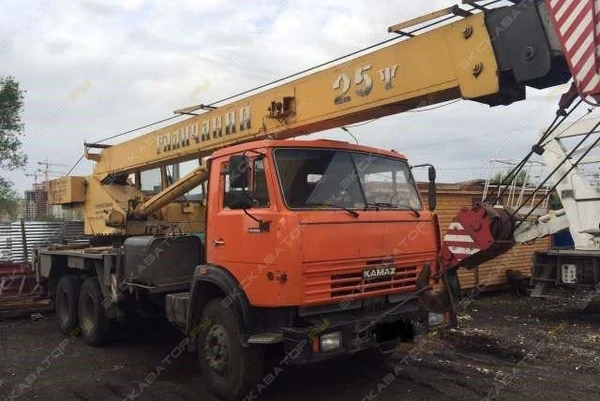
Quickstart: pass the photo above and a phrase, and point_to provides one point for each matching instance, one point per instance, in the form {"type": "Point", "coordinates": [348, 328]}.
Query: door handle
{"type": "Point", "coordinates": [218, 242]}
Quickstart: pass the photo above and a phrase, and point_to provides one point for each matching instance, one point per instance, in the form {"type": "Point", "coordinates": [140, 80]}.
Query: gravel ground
{"type": "Point", "coordinates": [506, 349]}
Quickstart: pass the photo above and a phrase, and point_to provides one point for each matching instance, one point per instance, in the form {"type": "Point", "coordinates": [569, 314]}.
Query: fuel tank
{"type": "Point", "coordinates": [159, 261]}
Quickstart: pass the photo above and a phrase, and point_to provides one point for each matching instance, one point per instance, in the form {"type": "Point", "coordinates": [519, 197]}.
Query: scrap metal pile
{"type": "Point", "coordinates": [20, 294]}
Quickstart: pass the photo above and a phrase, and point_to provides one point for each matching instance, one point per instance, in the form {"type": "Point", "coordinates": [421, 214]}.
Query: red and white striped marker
{"type": "Point", "coordinates": [459, 241]}
{"type": "Point", "coordinates": [576, 23]}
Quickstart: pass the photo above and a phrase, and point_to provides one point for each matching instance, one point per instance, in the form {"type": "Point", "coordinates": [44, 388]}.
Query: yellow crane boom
{"type": "Point", "coordinates": [489, 57]}
{"type": "Point", "coordinates": [453, 61]}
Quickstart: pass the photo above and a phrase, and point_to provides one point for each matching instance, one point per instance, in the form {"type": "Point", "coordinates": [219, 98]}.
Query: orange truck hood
{"type": "Point", "coordinates": [374, 234]}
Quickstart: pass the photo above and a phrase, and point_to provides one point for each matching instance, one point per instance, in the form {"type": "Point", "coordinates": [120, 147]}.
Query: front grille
{"type": "Point", "coordinates": [342, 280]}
{"type": "Point", "coordinates": [347, 284]}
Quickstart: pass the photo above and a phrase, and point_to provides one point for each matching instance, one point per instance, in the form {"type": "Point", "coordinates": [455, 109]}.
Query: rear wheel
{"type": "Point", "coordinates": [229, 370]}
{"type": "Point", "coordinates": [66, 301]}
{"type": "Point", "coordinates": [95, 325]}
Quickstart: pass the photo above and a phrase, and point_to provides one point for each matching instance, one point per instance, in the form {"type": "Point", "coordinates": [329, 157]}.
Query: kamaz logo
{"type": "Point", "coordinates": [381, 272]}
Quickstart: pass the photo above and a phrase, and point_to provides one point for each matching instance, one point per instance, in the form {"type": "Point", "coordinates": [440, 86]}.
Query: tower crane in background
{"type": "Point", "coordinates": [47, 170]}
{"type": "Point", "coordinates": [34, 174]}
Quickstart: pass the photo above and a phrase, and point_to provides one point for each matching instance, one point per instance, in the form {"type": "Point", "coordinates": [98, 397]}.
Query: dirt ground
{"type": "Point", "coordinates": [506, 349]}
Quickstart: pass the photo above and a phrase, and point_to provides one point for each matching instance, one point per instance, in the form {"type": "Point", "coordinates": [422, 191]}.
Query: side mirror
{"type": "Point", "coordinates": [431, 192]}
{"type": "Point", "coordinates": [239, 172]}
{"type": "Point", "coordinates": [239, 200]}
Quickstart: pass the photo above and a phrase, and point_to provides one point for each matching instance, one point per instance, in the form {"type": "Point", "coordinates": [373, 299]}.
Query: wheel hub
{"type": "Point", "coordinates": [216, 347]}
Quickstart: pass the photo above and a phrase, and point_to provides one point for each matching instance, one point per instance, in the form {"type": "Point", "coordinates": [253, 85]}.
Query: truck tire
{"type": "Point", "coordinates": [66, 301]}
{"type": "Point", "coordinates": [95, 325]}
{"type": "Point", "coordinates": [229, 370]}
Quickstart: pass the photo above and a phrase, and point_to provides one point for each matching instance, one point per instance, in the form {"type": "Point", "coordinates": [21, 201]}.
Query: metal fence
{"type": "Point", "coordinates": [37, 234]}
{"type": "Point", "coordinates": [5, 242]}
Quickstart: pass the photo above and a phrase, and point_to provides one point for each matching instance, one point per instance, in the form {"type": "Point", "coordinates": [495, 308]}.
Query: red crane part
{"type": "Point", "coordinates": [476, 235]}
{"type": "Point", "coordinates": [576, 24]}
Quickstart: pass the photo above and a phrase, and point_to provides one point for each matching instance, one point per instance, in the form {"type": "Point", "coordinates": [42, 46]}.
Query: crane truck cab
{"type": "Point", "coordinates": [313, 244]}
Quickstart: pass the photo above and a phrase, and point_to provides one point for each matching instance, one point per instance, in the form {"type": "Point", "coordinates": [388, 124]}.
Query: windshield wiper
{"type": "Point", "coordinates": [377, 205]}
{"type": "Point", "coordinates": [354, 213]}
{"type": "Point", "coordinates": [393, 206]}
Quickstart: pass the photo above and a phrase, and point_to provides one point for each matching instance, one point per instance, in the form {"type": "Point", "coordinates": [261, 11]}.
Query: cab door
{"type": "Point", "coordinates": [243, 240]}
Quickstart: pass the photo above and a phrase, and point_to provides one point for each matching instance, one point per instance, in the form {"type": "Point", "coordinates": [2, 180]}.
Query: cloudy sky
{"type": "Point", "coordinates": [95, 68]}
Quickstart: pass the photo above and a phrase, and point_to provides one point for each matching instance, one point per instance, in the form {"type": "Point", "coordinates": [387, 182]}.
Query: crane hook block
{"type": "Point", "coordinates": [476, 235]}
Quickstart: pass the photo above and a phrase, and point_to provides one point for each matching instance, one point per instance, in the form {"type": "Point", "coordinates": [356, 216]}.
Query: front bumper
{"type": "Point", "coordinates": [382, 329]}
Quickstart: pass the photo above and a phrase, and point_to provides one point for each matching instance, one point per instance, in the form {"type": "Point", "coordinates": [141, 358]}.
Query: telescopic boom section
{"type": "Point", "coordinates": [488, 57]}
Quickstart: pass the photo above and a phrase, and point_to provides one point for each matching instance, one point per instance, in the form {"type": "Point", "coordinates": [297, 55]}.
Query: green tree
{"type": "Point", "coordinates": [9, 202]}
{"type": "Point", "coordinates": [522, 178]}
{"type": "Point", "coordinates": [11, 132]}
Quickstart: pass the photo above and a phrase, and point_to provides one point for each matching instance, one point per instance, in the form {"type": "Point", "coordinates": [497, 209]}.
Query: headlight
{"type": "Point", "coordinates": [436, 319]}
{"type": "Point", "coordinates": [331, 341]}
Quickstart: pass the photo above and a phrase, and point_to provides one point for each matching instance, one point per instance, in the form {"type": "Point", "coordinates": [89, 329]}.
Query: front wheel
{"type": "Point", "coordinates": [229, 369]}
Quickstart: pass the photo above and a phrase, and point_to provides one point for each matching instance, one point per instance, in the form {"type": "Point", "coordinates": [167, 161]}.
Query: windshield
{"type": "Point", "coordinates": [312, 178]}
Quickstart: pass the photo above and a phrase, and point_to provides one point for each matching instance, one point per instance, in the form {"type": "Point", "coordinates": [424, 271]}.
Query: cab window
{"type": "Point", "coordinates": [257, 192]}
{"type": "Point", "coordinates": [176, 171]}
{"type": "Point", "coordinates": [150, 181]}
{"type": "Point", "coordinates": [260, 193]}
